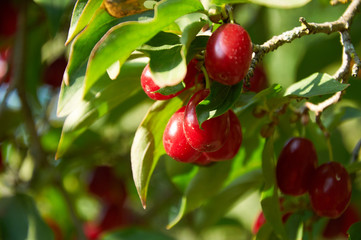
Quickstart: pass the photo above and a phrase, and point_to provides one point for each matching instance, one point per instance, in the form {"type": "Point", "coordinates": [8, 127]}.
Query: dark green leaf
{"type": "Point", "coordinates": [218, 102]}
{"type": "Point", "coordinates": [82, 14]}
{"type": "Point", "coordinates": [354, 231]}
{"type": "Point", "coordinates": [136, 234]}
{"type": "Point", "coordinates": [270, 200]}
{"type": "Point", "coordinates": [19, 219]}
{"type": "Point", "coordinates": [147, 145]}
{"type": "Point", "coordinates": [221, 203]}
{"type": "Point", "coordinates": [54, 10]}
{"type": "Point", "coordinates": [315, 85]}
{"type": "Point", "coordinates": [205, 184]}
{"type": "Point", "coordinates": [126, 37]}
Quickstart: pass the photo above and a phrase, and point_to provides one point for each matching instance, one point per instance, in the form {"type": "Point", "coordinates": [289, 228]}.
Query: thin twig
{"type": "Point", "coordinates": [340, 25]}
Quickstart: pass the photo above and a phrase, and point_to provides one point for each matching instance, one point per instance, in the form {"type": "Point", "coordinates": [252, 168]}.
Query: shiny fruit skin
{"type": "Point", "coordinates": [258, 81]}
{"type": "Point", "coordinates": [228, 54]}
{"type": "Point", "coordinates": [295, 166]}
{"type": "Point", "coordinates": [330, 190]}
{"type": "Point", "coordinates": [214, 131]}
{"type": "Point", "coordinates": [150, 87]}
{"type": "Point", "coordinates": [203, 160]}
{"type": "Point", "coordinates": [175, 142]}
{"type": "Point", "coordinates": [233, 142]}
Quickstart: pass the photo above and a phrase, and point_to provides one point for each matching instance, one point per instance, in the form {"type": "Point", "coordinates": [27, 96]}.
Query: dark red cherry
{"type": "Point", "coordinates": [258, 81]}
{"type": "Point", "coordinates": [295, 166]}
{"type": "Point", "coordinates": [107, 186]}
{"type": "Point", "coordinates": [214, 131]}
{"type": "Point", "coordinates": [203, 160]}
{"type": "Point", "coordinates": [175, 142]}
{"type": "Point", "coordinates": [233, 142]}
{"type": "Point", "coordinates": [53, 74]}
{"type": "Point", "coordinates": [228, 54]}
{"type": "Point", "coordinates": [8, 19]}
{"type": "Point", "coordinates": [338, 227]}
{"type": "Point", "coordinates": [330, 190]}
{"type": "Point", "coordinates": [150, 87]}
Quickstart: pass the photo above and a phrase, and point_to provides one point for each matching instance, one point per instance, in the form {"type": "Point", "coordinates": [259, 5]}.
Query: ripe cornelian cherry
{"type": "Point", "coordinates": [338, 227]}
{"type": "Point", "coordinates": [228, 54]}
{"type": "Point", "coordinates": [330, 190]}
{"type": "Point", "coordinates": [174, 140]}
{"type": "Point", "coordinates": [150, 87]}
{"type": "Point", "coordinates": [53, 74]}
{"type": "Point", "coordinates": [214, 131]}
{"type": "Point", "coordinates": [233, 142]}
{"type": "Point", "coordinates": [258, 81]}
{"type": "Point", "coordinates": [295, 166]}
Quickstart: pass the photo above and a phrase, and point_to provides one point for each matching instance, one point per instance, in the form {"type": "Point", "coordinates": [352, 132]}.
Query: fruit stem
{"type": "Point", "coordinates": [329, 146]}
{"type": "Point", "coordinates": [206, 77]}
{"type": "Point", "coordinates": [229, 11]}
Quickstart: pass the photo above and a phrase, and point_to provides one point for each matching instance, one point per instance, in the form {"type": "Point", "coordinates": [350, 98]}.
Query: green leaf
{"type": "Point", "coordinates": [136, 234]}
{"type": "Point", "coordinates": [354, 231]}
{"type": "Point", "coordinates": [20, 219]}
{"type": "Point", "coordinates": [54, 10]}
{"type": "Point", "coordinates": [205, 184]}
{"type": "Point", "coordinates": [83, 44]}
{"type": "Point", "coordinates": [270, 200]}
{"type": "Point", "coordinates": [221, 203]}
{"type": "Point", "coordinates": [126, 37]}
{"type": "Point", "coordinates": [267, 3]}
{"type": "Point", "coordinates": [147, 145]}
{"type": "Point", "coordinates": [218, 102]}
{"type": "Point", "coordinates": [107, 95]}
{"type": "Point", "coordinates": [315, 85]}
{"type": "Point", "coordinates": [82, 14]}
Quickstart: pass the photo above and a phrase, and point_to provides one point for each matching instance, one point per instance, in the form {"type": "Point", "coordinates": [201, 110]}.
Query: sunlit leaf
{"type": "Point", "coordinates": [315, 85]}
{"type": "Point", "coordinates": [267, 3]}
{"type": "Point", "coordinates": [147, 145]}
{"type": "Point", "coordinates": [126, 37]}
{"type": "Point", "coordinates": [82, 13]}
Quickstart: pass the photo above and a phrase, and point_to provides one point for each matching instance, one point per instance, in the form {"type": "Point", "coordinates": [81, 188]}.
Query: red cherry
{"type": "Point", "coordinates": [258, 81]}
{"type": "Point", "coordinates": [339, 226]}
{"type": "Point", "coordinates": [330, 190]}
{"type": "Point", "coordinates": [105, 184]}
{"type": "Point", "coordinates": [150, 87]}
{"type": "Point", "coordinates": [258, 223]}
{"type": "Point", "coordinates": [228, 54]}
{"type": "Point", "coordinates": [53, 74]}
{"type": "Point", "coordinates": [233, 142]}
{"type": "Point", "coordinates": [295, 166]}
{"type": "Point", "coordinates": [174, 140]}
{"type": "Point", "coordinates": [203, 160]}
{"type": "Point", "coordinates": [115, 216]}
{"type": "Point", "coordinates": [8, 19]}
{"type": "Point", "coordinates": [92, 231]}
{"type": "Point", "coordinates": [214, 131]}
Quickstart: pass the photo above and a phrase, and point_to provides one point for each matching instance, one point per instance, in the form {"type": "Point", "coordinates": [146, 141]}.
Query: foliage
{"type": "Point", "coordinates": [52, 139]}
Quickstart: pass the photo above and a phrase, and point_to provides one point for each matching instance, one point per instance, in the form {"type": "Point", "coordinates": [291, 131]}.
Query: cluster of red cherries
{"type": "Point", "coordinates": [227, 58]}
{"type": "Point", "coordinates": [328, 185]}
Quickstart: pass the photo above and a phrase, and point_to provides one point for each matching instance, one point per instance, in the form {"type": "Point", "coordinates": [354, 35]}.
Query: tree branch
{"type": "Point", "coordinates": [340, 25]}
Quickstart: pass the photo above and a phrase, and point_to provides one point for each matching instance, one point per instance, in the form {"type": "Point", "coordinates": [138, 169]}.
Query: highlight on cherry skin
{"type": "Point", "coordinates": [295, 166]}
{"type": "Point", "coordinates": [213, 133]}
{"type": "Point", "coordinates": [228, 54]}
{"type": "Point", "coordinates": [150, 87]}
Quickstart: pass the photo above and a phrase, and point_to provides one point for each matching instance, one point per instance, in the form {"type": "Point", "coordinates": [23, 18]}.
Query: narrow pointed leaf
{"type": "Point", "coordinates": [129, 36]}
